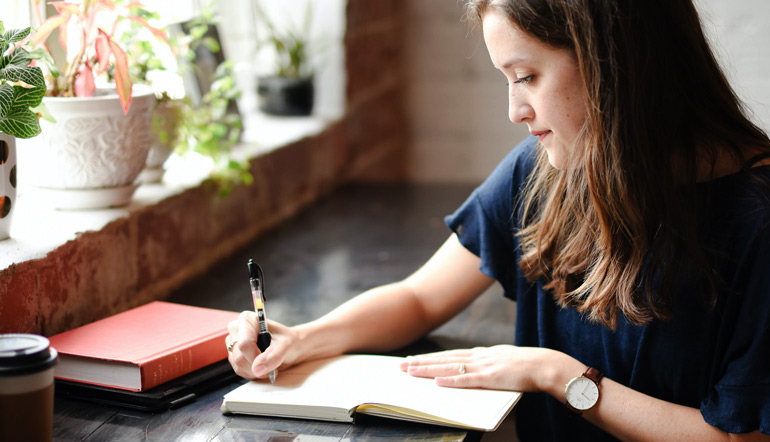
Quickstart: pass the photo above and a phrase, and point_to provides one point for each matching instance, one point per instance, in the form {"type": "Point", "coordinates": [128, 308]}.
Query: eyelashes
{"type": "Point", "coordinates": [524, 80]}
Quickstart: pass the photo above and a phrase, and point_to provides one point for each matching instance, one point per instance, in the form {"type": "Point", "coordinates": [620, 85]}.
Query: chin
{"type": "Point", "coordinates": [556, 158]}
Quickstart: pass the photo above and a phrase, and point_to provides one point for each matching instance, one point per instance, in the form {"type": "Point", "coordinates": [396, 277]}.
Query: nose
{"type": "Point", "coordinates": [519, 109]}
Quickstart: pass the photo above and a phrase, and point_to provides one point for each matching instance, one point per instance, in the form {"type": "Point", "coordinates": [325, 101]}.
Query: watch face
{"type": "Point", "coordinates": [582, 393]}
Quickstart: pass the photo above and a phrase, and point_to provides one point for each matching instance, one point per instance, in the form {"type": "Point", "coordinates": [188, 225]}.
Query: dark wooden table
{"type": "Point", "coordinates": [359, 237]}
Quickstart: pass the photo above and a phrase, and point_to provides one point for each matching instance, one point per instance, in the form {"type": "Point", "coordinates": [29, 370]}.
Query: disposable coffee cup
{"type": "Point", "coordinates": [26, 388]}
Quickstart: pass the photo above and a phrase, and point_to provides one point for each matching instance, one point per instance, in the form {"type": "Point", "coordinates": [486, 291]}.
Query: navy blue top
{"type": "Point", "coordinates": [716, 360]}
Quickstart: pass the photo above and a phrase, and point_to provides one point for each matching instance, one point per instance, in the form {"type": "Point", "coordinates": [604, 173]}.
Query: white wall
{"type": "Point", "coordinates": [739, 31]}
{"type": "Point", "coordinates": [457, 101]}
{"type": "Point", "coordinates": [242, 29]}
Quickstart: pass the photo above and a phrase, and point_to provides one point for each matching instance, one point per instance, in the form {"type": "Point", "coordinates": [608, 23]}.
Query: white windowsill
{"type": "Point", "coordinates": [38, 229]}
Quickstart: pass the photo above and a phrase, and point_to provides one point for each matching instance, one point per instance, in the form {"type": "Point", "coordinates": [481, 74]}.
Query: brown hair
{"type": "Point", "coordinates": [659, 109]}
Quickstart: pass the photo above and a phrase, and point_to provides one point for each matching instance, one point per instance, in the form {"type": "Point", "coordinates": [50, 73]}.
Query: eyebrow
{"type": "Point", "coordinates": [515, 61]}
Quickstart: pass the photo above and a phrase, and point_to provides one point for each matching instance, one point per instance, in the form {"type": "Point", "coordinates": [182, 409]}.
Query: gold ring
{"type": "Point", "coordinates": [462, 368]}
{"type": "Point", "coordinates": [231, 345]}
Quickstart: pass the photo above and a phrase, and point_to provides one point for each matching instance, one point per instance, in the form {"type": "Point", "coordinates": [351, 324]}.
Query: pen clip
{"type": "Point", "coordinates": [255, 273]}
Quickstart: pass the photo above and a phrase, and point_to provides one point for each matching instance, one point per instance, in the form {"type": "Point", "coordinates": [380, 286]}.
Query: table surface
{"type": "Point", "coordinates": [359, 237]}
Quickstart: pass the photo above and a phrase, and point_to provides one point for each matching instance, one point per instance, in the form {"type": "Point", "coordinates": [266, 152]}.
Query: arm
{"type": "Point", "coordinates": [381, 319]}
{"type": "Point", "coordinates": [625, 413]}
{"type": "Point", "coordinates": [392, 316]}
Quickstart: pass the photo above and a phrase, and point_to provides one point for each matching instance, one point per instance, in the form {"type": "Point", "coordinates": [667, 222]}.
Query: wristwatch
{"type": "Point", "coordinates": [583, 391]}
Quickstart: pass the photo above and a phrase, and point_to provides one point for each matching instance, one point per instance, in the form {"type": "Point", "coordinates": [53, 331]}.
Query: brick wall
{"type": "Point", "coordinates": [158, 247]}
{"type": "Point", "coordinates": [375, 121]}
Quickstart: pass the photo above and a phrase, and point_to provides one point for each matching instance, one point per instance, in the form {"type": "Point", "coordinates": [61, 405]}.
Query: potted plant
{"type": "Point", "coordinates": [208, 129]}
{"type": "Point", "coordinates": [21, 90]}
{"type": "Point", "coordinates": [91, 156]}
{"type": "Point", "coordinates": [152, 62]}
{"type": "Point", "coordinates": [289, 90]}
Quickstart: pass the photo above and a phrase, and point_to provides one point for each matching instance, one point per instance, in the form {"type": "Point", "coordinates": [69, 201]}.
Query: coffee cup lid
{"type": "Point", "coordinates": [25, 354]}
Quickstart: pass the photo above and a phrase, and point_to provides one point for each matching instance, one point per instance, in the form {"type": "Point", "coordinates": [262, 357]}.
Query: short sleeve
{"type": "Point", "coordinates": [486, 223]}
{"type": "Point", "coordinates": [740, 399]}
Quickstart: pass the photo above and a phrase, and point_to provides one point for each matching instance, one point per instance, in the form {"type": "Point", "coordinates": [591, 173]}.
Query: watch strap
{"type": "Point", "coordinates": [594, 375]}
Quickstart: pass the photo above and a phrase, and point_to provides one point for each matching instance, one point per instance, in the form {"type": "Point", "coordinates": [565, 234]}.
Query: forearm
{"type": "Point", "coordinates": [633, 416]}
{"type": "Point", "coordinates": [394, 315]}
{"type": "Point", "coordinates": [378, 320]}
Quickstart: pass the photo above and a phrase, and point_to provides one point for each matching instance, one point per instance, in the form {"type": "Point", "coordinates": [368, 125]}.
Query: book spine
{"type": "Point", "coordinates": [184, 360]}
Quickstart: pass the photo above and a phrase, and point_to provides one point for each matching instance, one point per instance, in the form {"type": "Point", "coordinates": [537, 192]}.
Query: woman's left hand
{"type": "Point", "coordinates": [502, 367]}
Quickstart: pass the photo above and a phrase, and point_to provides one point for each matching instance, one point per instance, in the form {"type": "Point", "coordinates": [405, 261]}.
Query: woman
{"type": "Point", "coordinates": [632, 230]}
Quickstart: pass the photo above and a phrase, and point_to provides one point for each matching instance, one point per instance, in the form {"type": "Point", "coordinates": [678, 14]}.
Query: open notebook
{"type": "Point", "coordinates": [336, 389]}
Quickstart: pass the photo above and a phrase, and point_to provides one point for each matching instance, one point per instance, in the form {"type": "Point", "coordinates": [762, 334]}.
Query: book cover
{"type": "Point", "coordinates": [143, 347]}
{"type": "Point", "coordinates": [335, 389]}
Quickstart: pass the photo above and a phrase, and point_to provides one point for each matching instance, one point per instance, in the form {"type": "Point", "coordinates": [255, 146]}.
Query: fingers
{"type": "Point", "coordinates": [439, 365]}
{"type": "Point", "coordinates": [260, 366]}
{"type": "Point", "coordinates": [448, 373]}
{"type": "Point", "coordinates": [442, 357]}
{"type": "Point", "coordinates": [241, 342]}
{"type": "Point", "coordinates": [452, 368]}
{"type": "Point", "coordinates": [247, 328]}
{"type": "Point", "coordinates": [461, 381]}
{"type": "Point", "coordinates": [244, 355]}
{"type": "Point", "coordinates": [502, 367]}
{"type": "Point", "coordinates": [440, 370]}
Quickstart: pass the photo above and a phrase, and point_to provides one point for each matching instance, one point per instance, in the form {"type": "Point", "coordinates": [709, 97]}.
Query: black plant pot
{"type": "Point", "coordinates": [285, 96]}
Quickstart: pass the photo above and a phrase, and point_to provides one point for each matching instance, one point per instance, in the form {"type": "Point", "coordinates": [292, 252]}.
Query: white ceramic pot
{"type": "Point", "coordinates": [8, 184]}
{"type": "Point", "coordinates": [166, 116]}
{"type": "Point", "coordinates": [91, 156]}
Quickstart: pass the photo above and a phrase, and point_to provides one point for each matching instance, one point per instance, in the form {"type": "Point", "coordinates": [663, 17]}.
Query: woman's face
{"type": "Point", "coordinates": [544, 87]}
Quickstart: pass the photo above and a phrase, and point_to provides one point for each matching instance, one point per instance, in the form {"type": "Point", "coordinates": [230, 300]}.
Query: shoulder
{"type": "Point", "coordinates": [505, 182]}
{"type": "Point", "coordinates": [491, 205]}
{"type": "Point", "coordinates": [742, 201]}
{"type": "Point", "coordinates": [519, 162]}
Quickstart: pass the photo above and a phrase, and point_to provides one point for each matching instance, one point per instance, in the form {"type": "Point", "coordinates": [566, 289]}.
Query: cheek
{"type": "Point", "coordinates": [570, 110]}
{"type": "Point", "coordinates": [576, 114]}
{"type": "Point", "coordinates": [575, 110]}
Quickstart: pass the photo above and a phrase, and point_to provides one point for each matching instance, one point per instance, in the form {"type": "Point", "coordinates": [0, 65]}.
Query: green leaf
{"type": "Point", "coordinates": [32, 76]}
{"type": "Point", "coordinates": [16, 35]}
{"type": "Point", "coordinates": [16, 117]}
{"type": "Point", "coordinates": [211, 44]}
{"type": "Point", "coordinates": [26, 97]}
{"type": "Point", "coordinates": [42, 110]}
{"type": "Point", "coordinates": [6, 98]}
{"type": "Point", "coordinates": [20, 123]}
{"type": "Point", "coordinates": [16, 67]}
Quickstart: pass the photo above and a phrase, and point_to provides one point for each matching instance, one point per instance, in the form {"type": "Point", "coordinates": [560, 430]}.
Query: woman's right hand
{"type": "Point", "coordinates": [246, 359]}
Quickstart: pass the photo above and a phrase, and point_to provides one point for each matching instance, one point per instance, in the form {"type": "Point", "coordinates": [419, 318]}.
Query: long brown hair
{"type": "Point", "coordinates": [610, 233]}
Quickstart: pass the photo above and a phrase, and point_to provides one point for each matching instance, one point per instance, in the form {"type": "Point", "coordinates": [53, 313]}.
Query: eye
{"type": "Point", "coordinates": [524, 80]}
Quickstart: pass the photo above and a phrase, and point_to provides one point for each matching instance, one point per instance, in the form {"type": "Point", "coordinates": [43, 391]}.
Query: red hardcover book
{"type": "Point", "coordinates": [143, 347]}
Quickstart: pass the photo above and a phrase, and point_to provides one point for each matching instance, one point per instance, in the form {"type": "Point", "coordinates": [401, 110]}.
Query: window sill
{"type": "Point", "coordinates": [38, 229]}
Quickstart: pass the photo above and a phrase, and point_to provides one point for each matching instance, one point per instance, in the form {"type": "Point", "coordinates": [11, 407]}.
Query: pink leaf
{"type": "Point", "coordinates": [159, 33]}
{"type": "Point", "coordinates": [90, 15]}
{"type": "Point", "coordinates": [84, 82]}
{"type": "Point", "coordinates": [47, 27]}
{"type": "Point", "coordinates": [107, 3]}
{"type": "Point", "coordinates": [61, 7]}
{"type": "Point", "coordinates": [122, 79]}
{"type": "Point", "coordinates": [103, 52]}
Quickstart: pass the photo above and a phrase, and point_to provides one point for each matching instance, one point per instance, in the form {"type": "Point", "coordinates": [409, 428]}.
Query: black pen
{"type": "Point", "coordinates": [257, 282]}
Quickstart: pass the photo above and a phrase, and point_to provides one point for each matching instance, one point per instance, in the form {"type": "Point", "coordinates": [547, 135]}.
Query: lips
{"type": "Point", "coordinates": [541, 134]}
